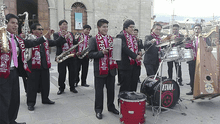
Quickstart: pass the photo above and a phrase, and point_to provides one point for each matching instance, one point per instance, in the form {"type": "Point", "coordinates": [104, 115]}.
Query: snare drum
{"type": "Point", "coordinates": [132, 107]}
{"type": "Point", "coordinates": [170, 91]}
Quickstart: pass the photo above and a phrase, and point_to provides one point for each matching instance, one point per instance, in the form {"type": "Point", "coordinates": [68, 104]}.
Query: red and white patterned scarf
{"type": "Point", "coordinates": [107, 59]}
{"type": "Point", "coordinates": [36, 58]}
{"type": "Point", "coordinates": [68, 44]}
{"type": "Point", "coordinates": [84, 44]}
{"type": "Point", "coordinates": [5, 59]}
{"type": "Point", "coordinates": [133, 46]}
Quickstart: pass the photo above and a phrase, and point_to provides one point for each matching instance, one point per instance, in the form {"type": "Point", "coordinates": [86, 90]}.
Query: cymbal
{"type": "Point", "coordinates": [165, 43]}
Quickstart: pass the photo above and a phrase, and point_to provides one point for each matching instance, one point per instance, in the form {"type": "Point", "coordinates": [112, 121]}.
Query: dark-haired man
{"type": "Point", "coordinates": [83, 62]}
{"type": "Point", "coordinates": [40, 65]}
{"type": "Point", "coordinates": [104, 68]}
{"type": "Point", "coordinates": [140, 46]}
{"type": "Point", "coordinates": [69, 63]}
{"type": "Point", "coordinates": [177, 65]}
{"type": "Point", "coordinates": [12, 63]}
{"type": "Point", "coordinates": [151, 59]}
{"type": "Point", "coordinates": [194, 45]}
{"type": "Point", "coordinates": [129, 66]}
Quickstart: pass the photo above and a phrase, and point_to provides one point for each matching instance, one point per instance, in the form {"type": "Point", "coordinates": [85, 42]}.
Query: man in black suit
{"type": "Point", "coordinates": [82, 62]}
{"type": "Point", "coordinates": [140, 46]}
{"type": "Point", "coordinates": [129, 66]}
{"type": "Point", "coordinates": [104, 68]}
{"type": "Point", "coordinates": [12, 63]}
{"type": "Point", "coordinates": [177, 65]}
{"type": "Point", "coordinates": [151, 59]}
{"type": "Point", "coordinates": [70, 62]}
{"type": "Point", "coordinates": [40, 65]}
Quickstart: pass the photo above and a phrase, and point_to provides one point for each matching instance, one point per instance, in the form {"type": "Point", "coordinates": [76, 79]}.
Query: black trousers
{"type": "Point", "coordinates": [151, 69]}
{"type": "Point", "coordinates": [84, 63]}
{"type": "Point", "coordinates": [109, 82]}
{"type": "Point", "coordinates": [25, 83]}
{"type": "Point", "coordinates": [36, 77]}
{"type": "Point", "coordinates": [192, 67]}
{"type": "Point", "coordinates": [9, 98]}
{"type": "Point", "coordinates": [170, 70]}
{"type": "Point", "coordinates": [70, 64]}
{"type": "Point", "coordinates": [129, 79]}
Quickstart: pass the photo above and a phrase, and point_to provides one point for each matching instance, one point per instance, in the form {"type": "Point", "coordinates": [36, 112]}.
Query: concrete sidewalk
{"type": "Point", "coordinates": [78, 108]}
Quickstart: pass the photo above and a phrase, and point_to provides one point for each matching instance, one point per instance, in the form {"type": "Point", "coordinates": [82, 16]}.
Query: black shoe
{"type": "Point", "coordinates": [74, 91]}
{"type": "Point", "coordinates": [99, 115]}
{"type": "Point", "coordinates": [48, 102]}
{"type": "Point", "coordinates": [85, 85]}
{"type": "Point", "coordinates": [115, 111]}
{"type": "Point", "coordinates": [188, 84]}
{"type": "Point", "coordinates": [31, 108]}
{"type": "Point", "coordinates": [22, 123]}
{"type": "Point", "coordinates": [189, 93]}
{"type": "Point", "coordinates": [60, 92]}
{"type": "Point", "coordinates": [180, 83]}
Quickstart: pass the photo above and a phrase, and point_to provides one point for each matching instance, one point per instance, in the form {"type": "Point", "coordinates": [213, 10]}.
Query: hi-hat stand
{"type": "Point", "coordinates": [158, 108]}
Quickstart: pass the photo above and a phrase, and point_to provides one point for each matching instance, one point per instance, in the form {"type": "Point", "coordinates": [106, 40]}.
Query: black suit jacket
{"type": "Point", "coordinates": [59, 41]}
{"type": "Point", "coordinates": [59, 46]}
{"type": "Point", "coordinates": [28, 44]}
{"type": "Point", "coordinates": [151, 55]}
{"type": "Point", "coordinates": [124, 64]}
{"type": "Point", "coordinates": [96, 55]}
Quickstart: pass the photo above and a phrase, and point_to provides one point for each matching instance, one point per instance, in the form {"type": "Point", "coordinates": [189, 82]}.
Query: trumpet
{"type": "Point", "coordinates": [65, 55]}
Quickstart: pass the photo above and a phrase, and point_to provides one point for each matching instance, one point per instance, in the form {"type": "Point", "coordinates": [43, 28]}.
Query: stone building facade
{"type": "Point", "coordinates": [50, 12]}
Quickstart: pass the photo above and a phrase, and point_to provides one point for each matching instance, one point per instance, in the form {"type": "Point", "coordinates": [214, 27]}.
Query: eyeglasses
{"type": "Point", "coordinates": [40, 29]}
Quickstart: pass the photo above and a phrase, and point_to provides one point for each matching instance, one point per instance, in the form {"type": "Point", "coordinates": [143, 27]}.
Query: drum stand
{"type": "Point", "coordinates": [158, 108]}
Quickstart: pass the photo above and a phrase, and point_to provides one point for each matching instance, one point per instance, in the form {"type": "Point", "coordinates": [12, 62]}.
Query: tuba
{"type": "Point", "coordinates": [3, 32]}
{"type": "Point", "coordinates": [25, 30]}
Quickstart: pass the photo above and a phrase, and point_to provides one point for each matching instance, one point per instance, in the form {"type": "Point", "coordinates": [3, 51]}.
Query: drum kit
{"type": "Point", "coordinates": [158, 91]}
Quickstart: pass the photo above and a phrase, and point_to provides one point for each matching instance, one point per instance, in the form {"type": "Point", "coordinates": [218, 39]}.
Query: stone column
{"type": "Point", "coordinates": [53, 18]}
{"type": "Point", "coordinates": [68, 18]}
{"type": "Point", "coordinates": [60, 10]}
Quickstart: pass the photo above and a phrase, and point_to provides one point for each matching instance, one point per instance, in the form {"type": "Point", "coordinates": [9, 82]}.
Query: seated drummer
{"type": "Point", "coordinates": [151, 60]}
{"type": "Point", "coordinates": [193, 44]}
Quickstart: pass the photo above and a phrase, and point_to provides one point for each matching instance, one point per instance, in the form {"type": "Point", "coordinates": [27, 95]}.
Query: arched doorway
{"type": "Point", "coordinates": [78, 8]}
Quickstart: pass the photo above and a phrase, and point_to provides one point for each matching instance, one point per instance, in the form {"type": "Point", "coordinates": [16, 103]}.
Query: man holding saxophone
{"type": "Point", "coordinates": [70, 62]}
{"type": "Point", "coordinates": [82, 61]}
{"type": "Point", "coordinates": [12, 60]}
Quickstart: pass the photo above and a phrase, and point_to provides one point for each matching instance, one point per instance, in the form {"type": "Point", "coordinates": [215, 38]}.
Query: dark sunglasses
{"type": "Point", "coordinates": [40, 29]}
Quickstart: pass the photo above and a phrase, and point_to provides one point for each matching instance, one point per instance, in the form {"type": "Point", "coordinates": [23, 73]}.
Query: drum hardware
{"type": "Point", "coordinates": [157, 109]}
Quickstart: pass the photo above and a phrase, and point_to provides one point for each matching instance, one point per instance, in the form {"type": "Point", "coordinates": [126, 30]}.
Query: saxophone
{"type": "Point", "coordinates": [25, 30]}
{"type": "Point", "coordinates": [65, 55]}
{"type": "Point", "coordinates": [3, 32]}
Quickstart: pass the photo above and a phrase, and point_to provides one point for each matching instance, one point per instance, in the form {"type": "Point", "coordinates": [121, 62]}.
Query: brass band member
{"type": "Point", "coordinates": [40, 65]}
{"type": "Point", "coordinates": [129, 66]}
{"type": "Point", "coordinates": [84, 62]}
{"type": "Point", "coordinates": [140, 46]}
{"type": "Point", "coordinates": [70, 62]}
{"type": "Point", "coordinates": [177, 65]}
{"type": "Point", "coordinates": [104, 68]}
{"type": "Point", "coordinates": [11, 63]}
{"type": "Point", "coordinates": [194, 45]}
{"type": "Point", "coordinates": [151, 59]}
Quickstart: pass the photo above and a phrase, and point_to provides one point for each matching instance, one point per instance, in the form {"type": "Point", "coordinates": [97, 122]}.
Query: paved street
{"type": "Point", "coordinates": [71, 108]}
